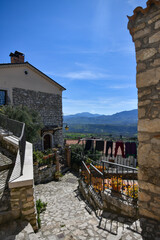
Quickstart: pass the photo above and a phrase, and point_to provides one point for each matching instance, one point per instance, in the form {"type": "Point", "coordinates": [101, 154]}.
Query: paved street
{"type": "Point", "coordinates": [67, 216]}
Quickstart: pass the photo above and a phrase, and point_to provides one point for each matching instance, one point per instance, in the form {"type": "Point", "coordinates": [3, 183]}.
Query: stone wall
{"type": "Point", "coordinates": [44, 174]}
{"type": "Point", "coordinates": [48, 105]}
{"type": "Point", "coordinates": [144, 27]}
{"type": "Point", "coordinates": [23, 205]}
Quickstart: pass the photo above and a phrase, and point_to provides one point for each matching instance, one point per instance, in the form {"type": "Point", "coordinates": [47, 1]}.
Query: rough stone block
{"type": "Point", "coordinates": [141, 67]}
{"type": "Point", "coordinates": [141, 112]}
{"type": "Point", "coordinates": [154, 19]}
{"type": "Point", "coordinates": [143, 103]}
{"type": "Point", "coordinates": [149, 187]}
{"type": "Point", "coordinates": [149, 214]}
{"type": "Point", "coordinates": [154, 38]}
{"type": "Point", "coordinates": [144, 54]}
{"type": "Point", "coordinates": [28, 205]}
{"type": "Point", "coordinates": [148, 78]}
{"type": "Point", "coordinates": [157, 24]}
{"type": "Point", "coordinates": [28, 212]}
{"type": "Point", "coordinates": [142, 196]}
{"type": "Point", "coordinates": [142, 174]}
{"type": "Point", "coordinates": [147, 125]}
{"type": "Point", "coordinates": [137, 44]}
{"type": "Point", "coordinates": [144, 92]}
{"type": "Point", "coordinates": [139, 27]}
{"type": "Point", "coordinates": [141, 33]}
{"type": "Point", "coordinates": [143, 137]}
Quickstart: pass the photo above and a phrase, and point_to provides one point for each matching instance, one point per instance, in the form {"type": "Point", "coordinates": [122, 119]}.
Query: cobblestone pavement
{"type": "Point", "coordinates": [67, 216]}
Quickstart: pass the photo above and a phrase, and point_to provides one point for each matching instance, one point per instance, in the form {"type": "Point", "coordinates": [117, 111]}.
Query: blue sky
{"type": "Point", "coordinates": [84, 45]}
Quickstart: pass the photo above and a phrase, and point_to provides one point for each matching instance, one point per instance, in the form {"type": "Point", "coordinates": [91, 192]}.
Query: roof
{"type": "Point", "coordinates": [143, 10]}
{"type": "Point", "coordinates": [36, 70]}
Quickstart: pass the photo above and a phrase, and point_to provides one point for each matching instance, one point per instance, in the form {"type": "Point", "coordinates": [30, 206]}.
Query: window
{"type": "Point", "coordinates": [3, 97]}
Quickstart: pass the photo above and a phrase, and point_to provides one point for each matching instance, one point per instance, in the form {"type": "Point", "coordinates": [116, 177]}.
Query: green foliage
{"type": "Point", "coordinates": [32, 120]}
{"type": "Point", "coordinates": [41, 206]}
{"type": "Point", "coordinates": [77, 154]}
{"type": "Point", "coordinates": [37, 156]}
{"type": "Point", "coordinates": [93, 156]}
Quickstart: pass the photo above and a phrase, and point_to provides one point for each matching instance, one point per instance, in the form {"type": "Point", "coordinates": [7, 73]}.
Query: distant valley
{"type": "Point", "coordinates": [124, 123]}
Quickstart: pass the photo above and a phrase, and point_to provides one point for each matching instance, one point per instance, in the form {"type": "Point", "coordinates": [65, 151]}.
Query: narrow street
{"type": "Point", "coordinates": [68, 217]}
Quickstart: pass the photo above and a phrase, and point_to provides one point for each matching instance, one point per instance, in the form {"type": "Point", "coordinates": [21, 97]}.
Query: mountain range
{"type": "Point", "coordinates": [121, 118]}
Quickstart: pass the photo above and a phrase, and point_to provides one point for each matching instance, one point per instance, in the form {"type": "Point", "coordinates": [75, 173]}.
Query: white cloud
{"type": "Point", "coordinates": [84, 75]}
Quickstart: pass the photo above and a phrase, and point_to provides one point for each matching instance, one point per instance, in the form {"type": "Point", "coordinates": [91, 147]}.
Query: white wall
{"type": "Point", "coordinates": [13, 76]}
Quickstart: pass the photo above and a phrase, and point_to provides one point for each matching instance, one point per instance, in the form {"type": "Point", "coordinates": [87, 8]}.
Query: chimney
{"type": "Point", "coordinates": [17, 57]}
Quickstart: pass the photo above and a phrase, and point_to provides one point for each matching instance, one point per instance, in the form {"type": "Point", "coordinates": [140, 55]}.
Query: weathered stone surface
{"type": "Point", "coordinates": [28, 212]}
{"type": "Point", "coordinates": [149, 214]}
{"type": "Point", "coordinates": [157, 24]}
{"type": "Point", "coordinates": [144, 54]}
{"type": "Point", "coordinates": [156, 141]}
{"type": "Point", "coordinates": [144, 150]}
{"type": "Point", "coordinates": [149, 187]}
{"type": "Point", "coordinates": [142, 196]}
{"type": "Point", "coordinates": [154, 159]}
{"type": "Point", "coordinates": [148, 78]}
{"type": "Point", "coordinates": [156, 63]}
{"type": "Point", "coordinates": [142, 174]}
{"type": "Point", "coordinates": [141, 112]}
{"type": "Point", "coordinates": [137, 44]}
{"type": "Point", "coordinates": [139, 27]}
{"type": "Point", "coordinates": [141, 67]}
{"type": "Point", "coordinates": [154, 19]}
{"type": "Point", "coordinates": [146, 125]}
{"type": "Point", "coordinates": [28, 205]}
{"type": "Point", "coordinates": [49, 106]}
{"type": "Point", "coordinates": [142, 137]}
{"type": "Point", "coordinates": [143, 103]}
{"type": "Point", "coordinates": [141, 33]}
{"type": "Point", "coordinates": [144, 92]}
{"type": "Point", "coordinates": [154, 38]}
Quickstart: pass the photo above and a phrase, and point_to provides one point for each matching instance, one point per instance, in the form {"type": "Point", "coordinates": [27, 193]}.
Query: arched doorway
{"type": "Point", "coordinates": [47, 141]}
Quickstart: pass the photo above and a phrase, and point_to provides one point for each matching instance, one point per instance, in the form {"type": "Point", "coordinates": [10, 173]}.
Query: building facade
{"type": "Point", "coordinates": [23, 84]}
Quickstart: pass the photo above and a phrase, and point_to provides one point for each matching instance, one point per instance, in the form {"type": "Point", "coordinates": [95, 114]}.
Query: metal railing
{"type": "Point", "coordinates": [114, 178]}
{"type": "Point", "coordinates": [17, 129]}
{"type": "Point", "coordinates": [121, 179]}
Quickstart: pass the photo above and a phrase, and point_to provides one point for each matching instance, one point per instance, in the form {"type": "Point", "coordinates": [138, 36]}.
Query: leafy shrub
{"type": "Point", "coordinates": [37, 156]}
{"type": "Point", "coordinates": [32, 120]}
{"type": "Point", "coordinates": [76, 154]}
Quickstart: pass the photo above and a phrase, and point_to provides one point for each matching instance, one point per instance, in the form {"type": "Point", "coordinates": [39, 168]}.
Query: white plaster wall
{"type": "Point", "coordinates": [14, 76]}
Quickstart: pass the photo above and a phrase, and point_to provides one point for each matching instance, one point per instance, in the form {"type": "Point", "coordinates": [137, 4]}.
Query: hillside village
{"type": "Point", "coordinates": [90, 188]}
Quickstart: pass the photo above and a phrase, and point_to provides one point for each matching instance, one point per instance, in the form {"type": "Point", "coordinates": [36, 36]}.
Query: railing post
{"type": "Point", "coordinates": [103, 177]}
{"type": "Point", "coordinates": [90, 180]}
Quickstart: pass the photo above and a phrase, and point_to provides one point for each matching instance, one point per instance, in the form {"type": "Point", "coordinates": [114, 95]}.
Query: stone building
{"type": "Point", "coordinates": [23, 84]}
{"type": "Point", "coordinates": [144, 27]}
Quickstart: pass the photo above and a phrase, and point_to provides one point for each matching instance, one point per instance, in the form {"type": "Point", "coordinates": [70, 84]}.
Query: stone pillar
{"type": "Point", "coordinates": [23, 204]}
{"type": "Point", "coordinates": [144, 27]}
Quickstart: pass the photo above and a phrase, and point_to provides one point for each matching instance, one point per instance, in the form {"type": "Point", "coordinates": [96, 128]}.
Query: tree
{"type": "Point", "coordinates": [32, 120]}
